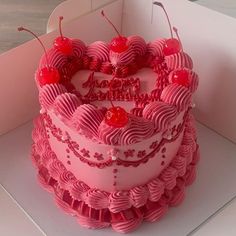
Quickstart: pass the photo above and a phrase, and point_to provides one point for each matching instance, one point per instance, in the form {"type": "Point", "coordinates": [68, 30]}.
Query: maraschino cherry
{"type": "Point", "coordinates": [116, 116]}
{"type": "Point", "coordinates": [62, 43]}
{"type": "Point", "coordinates": [48, 74]}
{"type": "Point", "coordinates": [118, 44]}
{"type": "Point", "coordinates": [181, 77]}
{"type": "Point", "coordinates": [172, 45]}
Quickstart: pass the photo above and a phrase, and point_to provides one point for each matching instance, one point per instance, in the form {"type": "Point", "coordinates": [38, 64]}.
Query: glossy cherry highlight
{"type": "Point", "coordinates": [118, 44]}
{"type": "Point", "coordinates": [61, 43]}
{"type": "Point", "coordinates": [116, 117]}
{"type": "Point", "coordinates": [181, 77]}
{"type": "Point", "coordinates": [172, 45]}
{"type": "Point", "coordinates": [48, 74]}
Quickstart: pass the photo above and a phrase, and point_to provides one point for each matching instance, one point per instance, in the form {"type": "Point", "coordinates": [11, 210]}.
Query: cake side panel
{"type": "Point", "coordinates": [93, 163]}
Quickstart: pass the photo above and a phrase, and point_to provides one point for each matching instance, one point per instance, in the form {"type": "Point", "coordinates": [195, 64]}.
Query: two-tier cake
{"type": "Point", "coordinates": [115, 140]}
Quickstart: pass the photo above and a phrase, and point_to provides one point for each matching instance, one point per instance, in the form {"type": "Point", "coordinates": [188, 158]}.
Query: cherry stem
{"type": "Point", "coordinates": [162, 6]}
{"type": "Point", "coordinates": [29, 31]}
{"type": "Point", "coordinates": [103, 14]}
{"type": "Point", "coordinates": [177, 34]}
{"type": "Point", "coordinates": [112, 104]}
{"type": "Point", "coordinates": [60, 25]}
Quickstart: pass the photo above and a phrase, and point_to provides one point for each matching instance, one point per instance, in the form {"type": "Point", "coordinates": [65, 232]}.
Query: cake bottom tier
{"type": "Point", "coordinates": [154, 207]}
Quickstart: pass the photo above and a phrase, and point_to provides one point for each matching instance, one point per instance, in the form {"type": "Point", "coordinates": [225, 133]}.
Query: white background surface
{"type": "Point", "coordinates": [215, 185]}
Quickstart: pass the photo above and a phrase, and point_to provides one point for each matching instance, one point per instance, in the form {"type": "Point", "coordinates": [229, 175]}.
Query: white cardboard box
{"type": "Point", "coordinates": [214, 53]}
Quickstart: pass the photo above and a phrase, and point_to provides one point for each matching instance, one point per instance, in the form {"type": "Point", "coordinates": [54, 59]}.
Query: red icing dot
{"type": "Point", "coordinates": [163, 150]}
{"type": "Point", "coordinates": [68, 162]}
{"type": "Point", "coordinates": [114, 184]}
{"type": "Point", "coordinates": [171, 46]}
{"type": "Point", "coordinates": [163, 156]}
{"type": "Point", "coordinates": [115, 171]}
{"type": "Point", "coordinates": [117, 117]}
{"type": "Point", "coordinates": [162, 163]}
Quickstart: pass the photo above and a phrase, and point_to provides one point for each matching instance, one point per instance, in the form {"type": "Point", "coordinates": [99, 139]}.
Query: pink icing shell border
{"type": "Point", "coordinates": [123, 210]}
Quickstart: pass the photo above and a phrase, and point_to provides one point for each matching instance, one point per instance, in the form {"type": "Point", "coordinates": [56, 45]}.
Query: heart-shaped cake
{"type": "Point", "coordinates": [115, 141]}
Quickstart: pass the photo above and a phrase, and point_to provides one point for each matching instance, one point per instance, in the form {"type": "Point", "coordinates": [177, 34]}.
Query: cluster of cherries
{"type": "Point", "coordinates": [173, 46]}
{"type": "Point", "coordinates": [115, 116]}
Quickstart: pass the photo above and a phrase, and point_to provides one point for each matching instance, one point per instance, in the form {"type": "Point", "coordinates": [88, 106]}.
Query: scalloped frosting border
{"type": "Point", "coordinates": [123, 210]}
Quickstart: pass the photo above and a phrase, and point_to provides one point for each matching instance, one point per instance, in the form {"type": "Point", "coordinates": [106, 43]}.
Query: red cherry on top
{"type": "Point", "coordinates": [116, 117]}
{"type": "Point", "coordinates": [62, 43]}
{"type": "Point", "coordinates": [48, 74]}
{"type": "Point", "coordinates": [171, 46]}
{"type": "Point", "coordinates": [118, 44]}
{"type": "Point", "coordinates": [181, 77]}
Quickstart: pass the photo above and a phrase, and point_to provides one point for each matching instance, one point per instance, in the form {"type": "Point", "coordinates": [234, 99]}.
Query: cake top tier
{"type": "Point", "coordinates": [156, 77]}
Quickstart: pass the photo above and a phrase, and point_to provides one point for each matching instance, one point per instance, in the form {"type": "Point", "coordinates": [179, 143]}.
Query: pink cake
{"type": "Point", "coordinates": [116, 144]}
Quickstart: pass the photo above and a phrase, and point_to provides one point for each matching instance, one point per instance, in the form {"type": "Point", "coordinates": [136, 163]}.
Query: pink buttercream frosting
{"type": "Point", "coordinates": [139, 196]}
{"type": "Point", "coordinates": [179, 60]}
{"type": "Point", "coordinates": [65, 105]}
{"type": "Point", "coordinates": [78, 48]}
{"type": "Point", "coordinates": [55, 59]}
{"type": "Point", "coordinates": [125, 209]}
{"type": "Point", "coordinates": [176, 95]}
{"type": "Point", "coordinates": [97, 199]}
{"type": "Point", "coordinates": [123, 58]}
{"type": "Point", "coordinates": [48, 94]}
{"type": "Point", "coordinates": [86, 119]}
{"type": "Point", "coordinates": [161, 114]}
{"type": "Point", "coordinates": [119, 201]}
{"type": "Point", "coordinates": [138, 44]}
{"type": "Point", "coordinates": [99, 50]}
{"type": "Point", "coordinates": [156, 188]}
{"type": "Point", "coordinates": [155, 48]}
